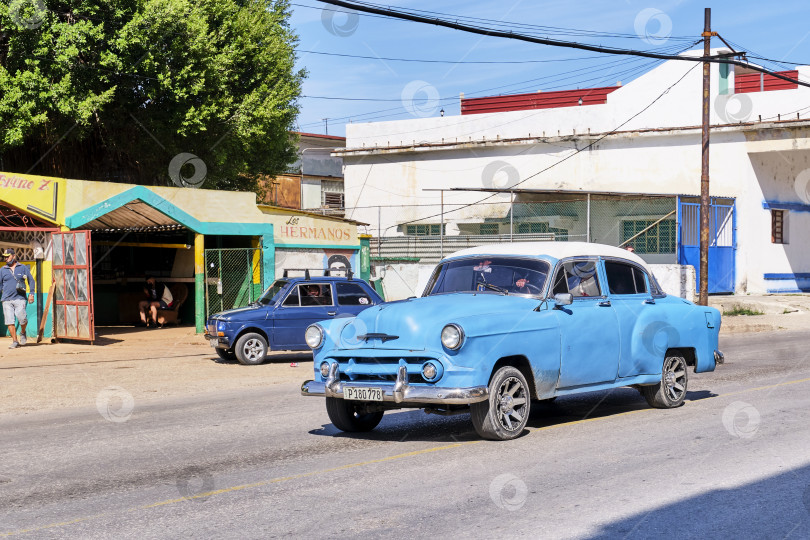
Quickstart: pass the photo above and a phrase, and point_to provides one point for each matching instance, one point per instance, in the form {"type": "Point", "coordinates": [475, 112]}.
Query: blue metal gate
{"type": "Point", "coordinates": [722, 237]}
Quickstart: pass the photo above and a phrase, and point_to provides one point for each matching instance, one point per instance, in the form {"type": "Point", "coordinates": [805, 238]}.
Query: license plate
{"type": "Point", "coordinates": [214, 342]}
{"type": "Point", "coordinates": [363, 394]}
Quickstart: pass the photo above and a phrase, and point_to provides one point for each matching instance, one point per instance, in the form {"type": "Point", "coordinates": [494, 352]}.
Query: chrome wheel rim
{"type": "Point", "coordinates": [253, 349]}
{"type": "Point", "coordinates": [674, 378]}
{"type": "Point", "coordinates": [510, 404]}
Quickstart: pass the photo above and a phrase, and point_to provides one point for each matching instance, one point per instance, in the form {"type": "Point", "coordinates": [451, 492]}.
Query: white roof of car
{"type": "Point", "coordinates": [558, 250]}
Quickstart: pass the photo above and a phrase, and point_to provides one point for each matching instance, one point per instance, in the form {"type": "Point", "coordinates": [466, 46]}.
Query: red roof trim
{"type": "Point", "coordinates": [536, 100]}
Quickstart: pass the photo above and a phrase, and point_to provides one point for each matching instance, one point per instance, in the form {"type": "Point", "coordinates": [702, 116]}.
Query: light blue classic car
{"type": "Point", "coordinates": [499, 326]}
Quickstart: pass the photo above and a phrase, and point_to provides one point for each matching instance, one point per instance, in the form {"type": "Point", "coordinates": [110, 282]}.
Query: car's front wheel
{"type": "Point", "coordinates": [504, 415]}
{"type": "Point", "coordinates": [251, 349]}
{"type": "Point", "coordinates": [670, 392]}
{"type": "Point", "coordinates": [349, 416]}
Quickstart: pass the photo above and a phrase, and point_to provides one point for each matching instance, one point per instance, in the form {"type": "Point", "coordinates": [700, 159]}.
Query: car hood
{"type": "Point", "coordinates": [417, 322]}
{"type": "Point", "coordinates": [249, 313]}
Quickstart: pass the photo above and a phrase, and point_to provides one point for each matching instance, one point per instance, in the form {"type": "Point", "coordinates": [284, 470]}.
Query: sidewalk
{"type": "Point", "coordinates": [774, 312]}
{"type": "Point", "coordinates": [146, 364]}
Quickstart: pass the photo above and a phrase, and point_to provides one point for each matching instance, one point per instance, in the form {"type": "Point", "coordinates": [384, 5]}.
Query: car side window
{"type": "Point", "coordinates": [352, 294]}
{"type": "Point", "coordinates": [315, 294]}
{"type": "Point", "coordinates": [578, 278]}
{"type": "Point", "coordinates": [641, 283]}
{"type": "Point", "coordinates": [292, 298]}
{"type": "Point", "coordinates": [624, 278]}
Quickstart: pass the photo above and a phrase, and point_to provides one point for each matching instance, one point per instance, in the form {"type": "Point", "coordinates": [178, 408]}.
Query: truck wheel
{"type": "Point", "coordinates": [504, 415]}
{"type": "Point", "coordinates": [670, 392]}
{"type": "Point", "coordinates": [347, 416]}
{"type": "Point", "coordinates": [250, 349]}
{"type": "Point", "coordinates": [226, 354]}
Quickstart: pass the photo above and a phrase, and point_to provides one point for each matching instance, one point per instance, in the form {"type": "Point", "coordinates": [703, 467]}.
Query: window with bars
{"type": "Point", "coordinates": [332, 200]}
{"type": "Point", "coordinates": [332, 194]}
{"type": "Point", "coordinates": [542, 228]}
{"type": "Point", "coordinates": [778, 227]}
{"type": "Point", "coordinates": [422, 230]}
{"type": "Point", "coordinates": [659, 238]}
{"type": "Point", "coordinates": [488, 228]}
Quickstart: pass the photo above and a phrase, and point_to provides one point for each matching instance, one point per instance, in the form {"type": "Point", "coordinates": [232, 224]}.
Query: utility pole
{"type": "Point", "coordinates": [703, 287]}
{"type": "Point", "coordinates": [326, 125]}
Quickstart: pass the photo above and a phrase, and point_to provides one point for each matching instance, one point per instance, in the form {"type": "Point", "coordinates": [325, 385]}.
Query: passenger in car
{"type": "Point", "coordinates": [312, 296]}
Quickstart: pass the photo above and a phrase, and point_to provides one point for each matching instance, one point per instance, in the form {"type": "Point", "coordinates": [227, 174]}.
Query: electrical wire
{"type": "Point", "coordinates": [538, 29]}
{"type": "Point", "coordinates": [488, 31]}
{"type": "Point", "coordinates": [454, 62]}
{"type": "Point", "coordinates": [566, 158]}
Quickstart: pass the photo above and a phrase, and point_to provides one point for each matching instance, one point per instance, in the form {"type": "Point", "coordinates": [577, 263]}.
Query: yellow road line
{"type": "Point", "coordinates": [372, 462]}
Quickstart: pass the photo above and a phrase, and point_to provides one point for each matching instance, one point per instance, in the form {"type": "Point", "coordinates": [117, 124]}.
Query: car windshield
{"type": "Point", "coordinates": [504, 275]}
{"type": "Point", "coordinates": [271, 294]}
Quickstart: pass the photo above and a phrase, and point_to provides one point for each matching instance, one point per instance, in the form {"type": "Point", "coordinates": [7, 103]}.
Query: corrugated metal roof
{"type": "Point", "coordinates": [536, 100]}
{"type": "Point", "coordinates": [133, 215]}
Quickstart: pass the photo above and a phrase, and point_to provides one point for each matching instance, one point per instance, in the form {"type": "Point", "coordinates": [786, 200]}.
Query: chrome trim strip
{"type": "Point", "coordinates": [399, 392]}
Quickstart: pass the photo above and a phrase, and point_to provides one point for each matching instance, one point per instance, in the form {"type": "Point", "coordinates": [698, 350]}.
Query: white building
{"type": "Point", "coordinates": [640, 139]}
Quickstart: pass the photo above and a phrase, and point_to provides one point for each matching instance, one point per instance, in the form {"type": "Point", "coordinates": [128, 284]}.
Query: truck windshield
{"type": "Point", "coordinates": [271, 294]}
{"type": "Point", "coordinates": [504, 275]}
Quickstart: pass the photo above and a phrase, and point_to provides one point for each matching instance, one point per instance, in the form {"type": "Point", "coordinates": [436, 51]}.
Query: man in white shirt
{"type": "Point", "coordinates": [159, 297]}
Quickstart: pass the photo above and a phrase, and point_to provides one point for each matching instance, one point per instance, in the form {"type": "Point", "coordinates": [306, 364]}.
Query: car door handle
{"type": "Point", "coordinates": [331, 313]}
{"type": "Point", "coordinates": [649, 301]}
{"type": "Point", "coordinates": [604, 303]}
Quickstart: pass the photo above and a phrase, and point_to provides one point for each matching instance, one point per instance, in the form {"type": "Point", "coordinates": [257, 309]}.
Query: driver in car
{"type": "Point", "coordinates": [522, 286]}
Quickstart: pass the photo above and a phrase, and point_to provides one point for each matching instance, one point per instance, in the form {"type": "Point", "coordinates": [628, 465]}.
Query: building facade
{"type": "Point", "coordinates": [90, 245]}
{"type": "Point", "coordinates": [618, 165]}
{"type": "Point", "coordinates": [315, 181]}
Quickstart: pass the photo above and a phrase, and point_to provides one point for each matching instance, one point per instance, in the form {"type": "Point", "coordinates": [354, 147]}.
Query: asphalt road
{"type": "Point", "coordinates": [733, 462]}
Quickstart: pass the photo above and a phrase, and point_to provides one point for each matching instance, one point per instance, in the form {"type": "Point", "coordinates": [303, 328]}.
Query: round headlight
{"type": "Point", "coordinates": [314, 336]}
{"type": "Point", "coordinates": [325, 370]}
{"type": "Point", "coordinates": [452, 336]}
{"type": "Point", "coordinates": [429, 371]}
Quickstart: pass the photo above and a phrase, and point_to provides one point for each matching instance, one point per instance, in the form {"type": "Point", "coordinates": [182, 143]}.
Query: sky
{"type": "Point", "coordinates": [380, 86]}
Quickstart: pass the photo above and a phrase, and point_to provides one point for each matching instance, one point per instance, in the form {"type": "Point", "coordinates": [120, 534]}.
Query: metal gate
{"type": "Point", "coordinates": [233, 278]}
{"type": "Point", "coordinates": [722, 240]}
{"type": "Point", "coordinates": [73, 286]}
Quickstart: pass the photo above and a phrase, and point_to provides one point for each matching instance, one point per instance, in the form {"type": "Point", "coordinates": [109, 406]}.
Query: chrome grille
{"type": "Point", "coordinates": [379, 368]}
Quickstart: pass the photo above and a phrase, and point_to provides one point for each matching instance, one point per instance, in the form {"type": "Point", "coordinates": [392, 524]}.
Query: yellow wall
{"type": "Point", "coordinates": [39, 196]}
{"type": "Point", "coordinates": [291, 227]}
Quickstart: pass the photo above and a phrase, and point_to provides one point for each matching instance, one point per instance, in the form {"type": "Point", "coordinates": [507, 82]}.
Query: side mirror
{"type": "Point", "coordinates": [563, 299]}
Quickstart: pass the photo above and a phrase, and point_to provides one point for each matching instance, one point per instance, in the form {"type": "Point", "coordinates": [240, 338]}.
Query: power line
{"type": "Point", "coordinates": [453, 98]}
{"type": "Point", "coordinates": [387, 12]}
{"type": "Point", "coordinates": [454, 62]}
{"type": "Point", "coordinates": [540, 29]}
{"type": "Point", "coordinates": [566, 158]}
{"type": "Point", "coordinates": [365, 117]}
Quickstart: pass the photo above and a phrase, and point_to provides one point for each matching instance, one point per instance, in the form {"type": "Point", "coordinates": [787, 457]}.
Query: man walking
{"type": "Point", "coordinates": [12, 281]}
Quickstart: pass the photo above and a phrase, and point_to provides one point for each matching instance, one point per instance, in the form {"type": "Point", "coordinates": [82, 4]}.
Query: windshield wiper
{"type": "Point", "coordinates": [495, 288]}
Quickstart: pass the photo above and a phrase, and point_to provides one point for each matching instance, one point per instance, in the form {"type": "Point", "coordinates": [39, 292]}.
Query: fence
{"type": "Point", "coordinates": [233, 278]}
{"type": "Point", "coordinates": [427, 232]}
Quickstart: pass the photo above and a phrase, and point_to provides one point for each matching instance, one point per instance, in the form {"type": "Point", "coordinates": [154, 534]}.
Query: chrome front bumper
{"type": "Point", "coordinates": [719, 357]}
{"type": "Point", "coordinates": [399, 392]}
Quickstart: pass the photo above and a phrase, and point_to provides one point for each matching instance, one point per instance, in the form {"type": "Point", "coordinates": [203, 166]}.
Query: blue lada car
{"type": "Point", "coordinates": [502, 325]}
{"type": "Point", "coordinates": [280, 317]}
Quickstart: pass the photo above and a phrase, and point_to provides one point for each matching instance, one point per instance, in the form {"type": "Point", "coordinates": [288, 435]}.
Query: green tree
{"type": "Point", "coordinates": [117, 89]}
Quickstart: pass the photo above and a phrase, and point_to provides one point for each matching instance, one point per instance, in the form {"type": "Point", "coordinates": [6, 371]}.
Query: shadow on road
{"type": "Point", "coordinates": [272, 358]}
{"type": "Point", "coordinates": [775, 507]}
{"type": "Point", "coordinates": [415, 425]}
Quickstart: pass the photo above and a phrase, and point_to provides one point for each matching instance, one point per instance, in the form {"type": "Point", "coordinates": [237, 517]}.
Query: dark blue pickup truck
{"type": "Point", "coordinates": [278, 319]}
